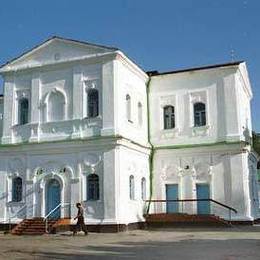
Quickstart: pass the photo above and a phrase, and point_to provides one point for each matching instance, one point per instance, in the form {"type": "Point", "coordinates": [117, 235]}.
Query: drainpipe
{"type": "Point", "coordinates": [149, 141]}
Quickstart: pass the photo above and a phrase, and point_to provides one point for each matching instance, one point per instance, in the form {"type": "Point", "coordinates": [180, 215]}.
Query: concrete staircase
{"type": "Point", "coordinates": [184, 220]}
{"type": "Point", "coordinates": [35, 226]}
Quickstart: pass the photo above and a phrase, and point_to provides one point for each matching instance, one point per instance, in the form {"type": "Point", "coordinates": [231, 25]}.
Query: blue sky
{"type": "Point", "coordinates": [158, 35]}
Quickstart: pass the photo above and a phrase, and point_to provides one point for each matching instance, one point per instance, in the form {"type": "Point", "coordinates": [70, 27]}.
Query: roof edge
{"type": "Point", "coordinates": [156, 73]}
{"type": "Point", "coordinates": [41, 44]}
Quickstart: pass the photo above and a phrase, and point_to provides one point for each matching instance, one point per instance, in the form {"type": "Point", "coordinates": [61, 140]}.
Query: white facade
{"type": "Point", "coordinates": [74, 110]}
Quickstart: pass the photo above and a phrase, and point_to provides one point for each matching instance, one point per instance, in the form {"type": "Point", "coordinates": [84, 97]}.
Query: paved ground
{"type": "Point", "coordinates": [229, 244]}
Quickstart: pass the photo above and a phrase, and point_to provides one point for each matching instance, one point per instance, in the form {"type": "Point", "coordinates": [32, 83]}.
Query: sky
{"type": "Point", "coordinates": [158, 35]}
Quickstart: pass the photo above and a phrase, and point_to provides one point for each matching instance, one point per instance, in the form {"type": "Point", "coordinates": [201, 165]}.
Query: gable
{"type": "Point", "coordinates": [53, 51]}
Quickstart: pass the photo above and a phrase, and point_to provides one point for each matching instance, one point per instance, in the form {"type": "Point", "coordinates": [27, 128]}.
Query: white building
{"type": "Point", "coordinates": [83, 123]}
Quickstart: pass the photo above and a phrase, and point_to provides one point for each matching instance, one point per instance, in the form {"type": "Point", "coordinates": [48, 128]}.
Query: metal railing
{"type": "Point", "coordinates": [50, 213]}
{"type": "Point", "coordinates": [182, 206]}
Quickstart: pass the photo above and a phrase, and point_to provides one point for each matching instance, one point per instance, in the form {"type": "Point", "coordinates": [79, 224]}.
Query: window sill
{"type": "Point", "coordinates": [203, 126]}
{"type": "Point", "coordinates": [175, 129]}
{"type": "Point", "coordinates": [200, 130]}
{"type": "Point", "coordinates": [92, 118]}
{"type": "Point", "coordinates": [21, 125]}
{"type": "Point", "coordinates": [17, 125]}
{"type": "Point", "coordinates": [170, 133]}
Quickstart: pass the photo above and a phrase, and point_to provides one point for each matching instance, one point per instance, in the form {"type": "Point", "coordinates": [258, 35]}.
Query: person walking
{"type": "Point", "coordinates": [80, 226]}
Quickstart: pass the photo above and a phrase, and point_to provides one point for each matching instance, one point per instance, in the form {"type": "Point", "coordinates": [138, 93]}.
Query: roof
{"type": "Point", "coordinates": [59, 38]}
{"type": "Point", "coordinates": [157, 73]}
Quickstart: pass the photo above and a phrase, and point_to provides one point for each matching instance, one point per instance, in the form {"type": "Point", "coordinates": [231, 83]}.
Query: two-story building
{"type": "Point", "coordinates": [83, 123]}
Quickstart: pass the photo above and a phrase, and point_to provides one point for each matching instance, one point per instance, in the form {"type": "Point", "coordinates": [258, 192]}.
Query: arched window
{"type": "Point", "coordinates": [132, 187]}
{"type": "Point", "coordinates": [93, 187]}
{"type": "Point", "coordinates": [140, 113]}
{"type": "Point", "coordinates": [17, 189]}
{"type": "Point", "coordinates": [23, 111]}
{"type": "Point", "coordinates": [128, 107]}
{"type": "Point", "coordinates": [143, 188]}
{"type": "Point", "coordinates": [169, 117]}
{"type": "Point", "coordinates": [199, 114]}
{"type": "Point", "coordinates": [92, 106]}
{"type": "Point", "coordinates": [56, 107]}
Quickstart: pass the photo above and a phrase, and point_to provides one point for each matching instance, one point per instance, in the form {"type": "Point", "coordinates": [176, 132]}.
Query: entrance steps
{"type": "Point", "coordinates": [35, 226]}
{"type": "Point", "coordinates": [182, 219]}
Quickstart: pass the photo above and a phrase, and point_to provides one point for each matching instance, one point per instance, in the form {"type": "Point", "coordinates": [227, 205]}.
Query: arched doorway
{"type": "Point", "coordinates": [53, 198]}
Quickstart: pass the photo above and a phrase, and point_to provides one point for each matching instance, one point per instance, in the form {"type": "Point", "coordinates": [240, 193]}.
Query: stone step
{"type": "Point", "coordinates": [35, 226]}
{"type": "Point", "coordinates": [185, 218]}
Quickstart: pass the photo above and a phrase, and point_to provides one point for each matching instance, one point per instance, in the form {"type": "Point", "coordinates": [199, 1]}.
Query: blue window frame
{"type": "Point", "coordinates": [93, 187]}
{"type": "Point", "coordinates": [169, 117]}
{"type": "Point", "coordinates": [199, 114]}
{"type": "Point", "coordinates": [17, 189]}
{"type": "Point", "coordinates": [93, 103]}
{"type": "Point", "coordinates": [128, 108]}
{"type": "Point", "coordinates": [23, 111]}
{"type": "Point", "coordinates": [132, 187]}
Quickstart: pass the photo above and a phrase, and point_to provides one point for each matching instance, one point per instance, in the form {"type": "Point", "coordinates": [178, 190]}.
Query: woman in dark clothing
{"type": "Point", "coordinates": [80, 223]}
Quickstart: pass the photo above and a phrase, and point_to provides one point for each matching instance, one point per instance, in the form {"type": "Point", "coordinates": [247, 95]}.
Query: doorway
{"type": "Point", "coordinates": [203, 192]}
{"type": "Point", "coordinates": [53, 198]}
{"type": "Point", "coordinates": [172, 192]}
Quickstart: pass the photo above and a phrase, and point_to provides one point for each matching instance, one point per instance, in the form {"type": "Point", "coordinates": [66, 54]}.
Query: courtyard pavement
{"type": "Point", "coordinates": [240, 242]}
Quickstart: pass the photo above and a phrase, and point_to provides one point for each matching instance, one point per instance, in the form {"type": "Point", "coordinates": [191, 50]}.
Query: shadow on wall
{"type": "Point", "coordinates": [1, 85]}
{"type": "Point", "coordinates": [3, 195]}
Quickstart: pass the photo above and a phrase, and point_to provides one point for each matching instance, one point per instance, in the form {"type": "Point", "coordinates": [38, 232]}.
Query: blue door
{"type": "Point", "coordinates": [203, 207]}
{"type": "Point", "coordinates": [172, 194]}
{"type": "Point", "coordinates": [53, 198]}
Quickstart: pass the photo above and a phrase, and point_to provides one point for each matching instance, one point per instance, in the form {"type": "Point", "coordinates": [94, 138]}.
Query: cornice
{"type": "Point", "coordinates": [245, 83]}
{"type": "Point", "coordinates": [93, 58]}
{"type": "Point", "coordinates": [131, 65]}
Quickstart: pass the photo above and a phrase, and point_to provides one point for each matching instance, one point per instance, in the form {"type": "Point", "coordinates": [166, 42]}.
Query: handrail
{"type": "Point", "coordinates": [52, 211]}
{"type": "Point", "coordinates": [190, 200]}
{"type": "Point", "coordinates": [224, 205]}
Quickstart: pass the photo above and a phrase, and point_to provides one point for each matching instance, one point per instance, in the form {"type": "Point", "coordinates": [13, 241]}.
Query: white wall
{"type": "Point", "coordinates": [72, 82]}
{"type": "Point", "coordinates": [130, 82]}
{"type": "Point", "coordinates": [224, 168]}
{"type": "Point", "coordinates": [133, 163]}
{"type": "Point", "coordinates": [217, 88]}
{"type": "Point", "coordinates": [80, 160]}
{"type": "Point", "coordinates": [114, 79]}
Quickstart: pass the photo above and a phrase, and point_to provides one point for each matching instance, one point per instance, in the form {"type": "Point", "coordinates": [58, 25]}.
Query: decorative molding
{"type": "Point", "coordinates": [198, 96]}
{"type": "Point", "coordinates": [23, 93]}
{"type": "Point", "coordinates": [166, 134]}
{"type": "Point", "coordinates": [168, 101]}
{"type": "Point", "coordinates": [200, 130]}
{"type": "Point", "coordinates": [91, 83]}
{"type": "Point", "coordinates": [171, 172]}
{"type": "Point", "coordinates": [203, 171]}
{"type": "Point", "coordinates": [52, 168]}
{"type": "Point", "coordinates": [54, 91]}
{"type": "Point", "coordinates": [91, 163]}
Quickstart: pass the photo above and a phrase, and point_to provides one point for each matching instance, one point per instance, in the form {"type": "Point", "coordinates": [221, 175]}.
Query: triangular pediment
{"type": "Point", "coordinates": [55, 50]}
